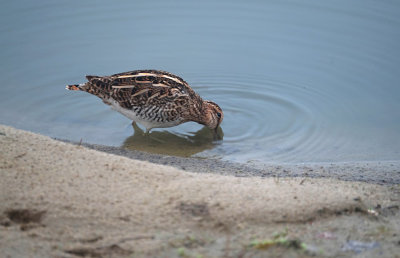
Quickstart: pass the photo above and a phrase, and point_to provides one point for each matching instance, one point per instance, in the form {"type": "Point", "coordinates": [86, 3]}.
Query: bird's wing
{"type": "Point", "coordinates": [143, 87]}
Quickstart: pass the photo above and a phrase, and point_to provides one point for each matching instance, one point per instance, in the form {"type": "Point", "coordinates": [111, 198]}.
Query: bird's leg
{"type": "Point", "coordinates": [136, 128]}
{"type": "Point", "coordinates": [151, 138]}
{"type": "Point", "coordinates": [147, 133]}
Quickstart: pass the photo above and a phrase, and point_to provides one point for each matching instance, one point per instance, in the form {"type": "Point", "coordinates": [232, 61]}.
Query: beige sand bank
{"type": "Point", "coordinates": [58, 199]}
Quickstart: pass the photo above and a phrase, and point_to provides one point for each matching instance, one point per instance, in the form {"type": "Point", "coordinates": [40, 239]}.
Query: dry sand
{"type": "Point", "coordinates": [63, 200]}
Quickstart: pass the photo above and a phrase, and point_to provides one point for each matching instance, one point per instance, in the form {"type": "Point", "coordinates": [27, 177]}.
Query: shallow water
{"type": "Point", "coordinates": [298, 81]}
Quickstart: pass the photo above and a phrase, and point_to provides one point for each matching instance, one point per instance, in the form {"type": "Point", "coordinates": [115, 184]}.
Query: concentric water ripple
{"type": "Point", "coordinates": [263, 119]}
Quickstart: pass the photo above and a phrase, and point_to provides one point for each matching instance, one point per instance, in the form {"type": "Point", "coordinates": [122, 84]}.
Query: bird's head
{"type": "Point", "coordinates": [212, 115]}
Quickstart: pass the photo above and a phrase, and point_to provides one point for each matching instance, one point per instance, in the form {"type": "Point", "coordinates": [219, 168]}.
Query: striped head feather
{"type": "Point", "coordinates": [212, 115]}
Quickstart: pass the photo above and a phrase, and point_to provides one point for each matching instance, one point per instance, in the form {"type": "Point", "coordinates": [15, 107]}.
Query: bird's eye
{"type": "Point", "coordinates": [219, 115]}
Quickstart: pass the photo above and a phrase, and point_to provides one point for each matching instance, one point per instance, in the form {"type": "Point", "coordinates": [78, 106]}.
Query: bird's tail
{"type": "Point", "coordinates": [75, 86]}
{"type": "Point", "coordinates": [83, 86]}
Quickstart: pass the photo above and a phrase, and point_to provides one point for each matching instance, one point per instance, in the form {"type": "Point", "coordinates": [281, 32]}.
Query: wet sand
{"type": "Point", "coordinates": [63, 200]}
{"type": "Point", "coordinates": [380, 172]}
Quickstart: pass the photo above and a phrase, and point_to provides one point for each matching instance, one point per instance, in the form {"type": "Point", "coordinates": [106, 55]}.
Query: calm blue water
{"type": "Point", "coordinates": [299, 81]}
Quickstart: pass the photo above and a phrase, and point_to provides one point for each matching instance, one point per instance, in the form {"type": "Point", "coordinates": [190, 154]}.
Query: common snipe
{"type": "Point", "coordinates": [155, 99]}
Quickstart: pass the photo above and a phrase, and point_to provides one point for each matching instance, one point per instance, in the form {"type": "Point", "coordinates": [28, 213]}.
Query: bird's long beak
{"type": "Point", "coordinates": [218, 134]}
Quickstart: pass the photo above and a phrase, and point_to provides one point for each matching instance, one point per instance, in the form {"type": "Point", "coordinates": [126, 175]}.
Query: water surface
{"type": "Point", "coordinates": [299, 81]}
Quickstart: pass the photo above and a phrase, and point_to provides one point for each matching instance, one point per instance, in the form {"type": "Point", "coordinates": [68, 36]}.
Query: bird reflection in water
{"type": "Point", "coordinates": [167, 143]}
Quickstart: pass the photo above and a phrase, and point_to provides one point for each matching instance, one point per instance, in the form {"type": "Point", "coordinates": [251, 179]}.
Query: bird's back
{"type": "Point", "coordinates": [158, 98]}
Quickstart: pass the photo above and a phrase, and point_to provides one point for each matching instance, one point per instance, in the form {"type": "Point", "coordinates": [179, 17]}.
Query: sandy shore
{"type": "Point", "coordinates": [64, 200]}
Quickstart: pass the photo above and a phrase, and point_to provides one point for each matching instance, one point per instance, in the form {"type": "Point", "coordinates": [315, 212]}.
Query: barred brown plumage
{"type": "Point", "coordinates": [153, 98]}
